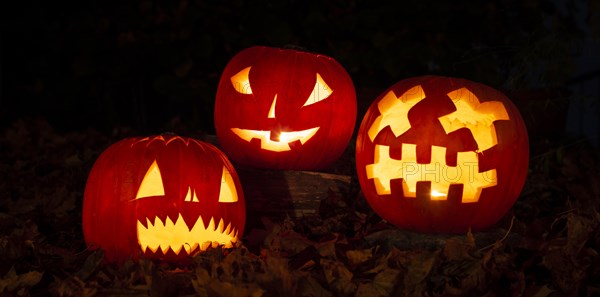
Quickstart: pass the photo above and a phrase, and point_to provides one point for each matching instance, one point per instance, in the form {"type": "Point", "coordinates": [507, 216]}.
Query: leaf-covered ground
{"type": "Point", "coordinates": [547, 245]}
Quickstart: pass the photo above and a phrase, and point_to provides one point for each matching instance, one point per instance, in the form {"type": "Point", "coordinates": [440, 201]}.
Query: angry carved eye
{"type": "Point", "coordinates": [228, 193]}
{"type": "Point", "coordinates": [152, 184]}
{"type": "Point", "coordinates": [240, 81]}
{"type": "Point", "coordinates": [320, 92]}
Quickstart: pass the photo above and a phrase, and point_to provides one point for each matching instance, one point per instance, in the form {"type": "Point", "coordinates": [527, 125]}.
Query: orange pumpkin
{"type": "Point", "coordinates": [439, 154]}
{"type": "Point", "coordinates": [167, 197]}
{"type": "Point", "coordinates": [284, 109]}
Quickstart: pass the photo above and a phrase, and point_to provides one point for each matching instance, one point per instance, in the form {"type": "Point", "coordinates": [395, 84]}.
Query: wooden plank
{"type": "Point", "coordinates": [277, 194]}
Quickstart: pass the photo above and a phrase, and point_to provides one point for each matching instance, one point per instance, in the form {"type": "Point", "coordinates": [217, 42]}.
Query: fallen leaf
{"type": "Point", "coordinates": [464, 276]}
{"type": "Point", "coordinates": [579, 229]}
{"type": "Point", "coordinates": [418, 269]}
{"type": "Point", "coordinates": [539, 291]}
{"type": "Point", "coordinates": [338, 277]}
{"type": "Point", "coordinates": [304, 259]}
{"type": "Point", "coordinates": [357, 257]}
{"type": "Point", "coordinates": [327, 250]}
{"type": "Point", "coordinates": [13, 282]}
{"type": "Point", "coordinates": [308, 286]}
{"type": "Point", "coordinates": [382, 285]}
{"type": "Point", "coordinates": [566, 273]}
{"type": "Point", "coordinates": [90, 265]}
{"type": "Point", "coordinates": [457, 248]}
{"type": "Point", "coordinates": [226, 289]}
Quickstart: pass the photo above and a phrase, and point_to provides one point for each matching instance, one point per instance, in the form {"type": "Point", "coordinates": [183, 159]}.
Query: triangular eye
{"type": "Point", "coordinates": [228, 193]}
{"type": "Point", "coordinates": [320, 92]}
{"type": "Point", "coordinates": [152, 184]}
{"type": "Point", "coordinates": [240, 81]}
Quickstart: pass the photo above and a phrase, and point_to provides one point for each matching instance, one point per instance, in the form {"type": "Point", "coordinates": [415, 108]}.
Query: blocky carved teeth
{"type": "Point", "coordinates": [283, 140]}
{"type": "Point", "coordinates": [466, 172]}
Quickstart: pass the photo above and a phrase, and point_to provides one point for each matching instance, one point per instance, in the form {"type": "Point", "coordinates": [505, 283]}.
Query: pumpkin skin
{"type": "Point", "coordinates": [167, 197]}
{"type": "Point", "coordinates": [442, 155]}
{"type": "Point", "coordinates": [284, 109]}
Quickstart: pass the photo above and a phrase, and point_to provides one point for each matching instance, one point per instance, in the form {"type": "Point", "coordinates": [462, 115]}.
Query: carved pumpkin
{"type": "Point", "coordinates": [437, 154]}
{"type": "Point", "coordinates": [167, 197]}
{"type": "Point", "coordinates": [284, 109]}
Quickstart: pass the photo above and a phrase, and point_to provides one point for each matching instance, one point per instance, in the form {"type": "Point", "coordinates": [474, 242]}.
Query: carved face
{"type": "Point", "coordinates": [440, 154]}
{"type": "Point", "coordinates": [166, 196]}
{"type": "Point", "coordinates": [284, 109]}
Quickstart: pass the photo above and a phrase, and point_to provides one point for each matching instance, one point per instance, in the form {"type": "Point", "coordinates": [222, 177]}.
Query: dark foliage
{"type": "Point", "coordinates": [548, 244]}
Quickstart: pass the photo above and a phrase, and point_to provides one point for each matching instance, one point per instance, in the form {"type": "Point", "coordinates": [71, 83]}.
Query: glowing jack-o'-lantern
{"type": "Point", "coordinates": [284, 109]}
{"type": "Point", "coordinates": [165, 196]}
{"type": "Point", "coordinates": [439, 154]}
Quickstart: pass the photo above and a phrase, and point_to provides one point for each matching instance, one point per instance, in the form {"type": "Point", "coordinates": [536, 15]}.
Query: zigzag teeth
{"type": "Point", "coordinates": [153, 249]}
{"type": "Point", "coordinates": [199, 223]}
{"type": "Point", "coordinates": [158, 221]}
{"type": "Point", "coordinates": [205, 246]}
{"type": "Point", "coordinates": [228, 229]}
{"type": "Point", "coordinates": [211, 225]}
{"type": "Point", "coordinates": [221, 226]}
{"type": "Point", "coordinates": [177, 236]}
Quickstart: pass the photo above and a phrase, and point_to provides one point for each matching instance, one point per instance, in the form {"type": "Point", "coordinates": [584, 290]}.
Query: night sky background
{"type": "Point", "coordinates": [154, 66]}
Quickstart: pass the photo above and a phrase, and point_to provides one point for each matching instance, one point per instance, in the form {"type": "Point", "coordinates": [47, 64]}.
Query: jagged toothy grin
{"type": "Point", "coordinates": [177, 236]}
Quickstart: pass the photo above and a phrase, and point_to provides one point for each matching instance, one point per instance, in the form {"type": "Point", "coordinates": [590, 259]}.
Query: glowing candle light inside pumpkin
{"type": "Point", "coordinates": [435, 193]}
{"type": "Point", "coordinates": [444, 148]}
{"type": "Point", "coordinates": [167, 197]}
{"type": "Point", "coordinates": [284, 109]}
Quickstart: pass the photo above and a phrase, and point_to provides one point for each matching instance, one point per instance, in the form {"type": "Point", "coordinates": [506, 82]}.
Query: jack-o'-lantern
{"type": "Point", "coordinates": [438, 154]}
{"type": "Point", "coordinates": [166, 197]}
{"type": "Point", "coordinates": [284, 109]}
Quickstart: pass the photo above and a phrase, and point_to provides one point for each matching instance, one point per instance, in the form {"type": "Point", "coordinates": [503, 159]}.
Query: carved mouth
{"type": "Point", "coordinates": [282, 144]}
{"type": "Point", "coordinates": [440, 175]}
{"type": "Point", "coordinates": [177, 236]}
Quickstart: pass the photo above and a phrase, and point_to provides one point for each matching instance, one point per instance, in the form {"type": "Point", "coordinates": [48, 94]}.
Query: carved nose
{"type": "Point", "coordinates": [272, 109]}
{"type": "Point", "coordinates": [275, 135]}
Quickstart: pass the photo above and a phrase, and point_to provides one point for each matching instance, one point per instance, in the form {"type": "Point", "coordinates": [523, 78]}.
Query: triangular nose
{"type": "Point", "coordinates": [272, 109]}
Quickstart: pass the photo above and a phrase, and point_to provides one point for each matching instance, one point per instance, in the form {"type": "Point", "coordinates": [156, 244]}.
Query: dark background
{"type": "Point", "coordinates": [154, 66]}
